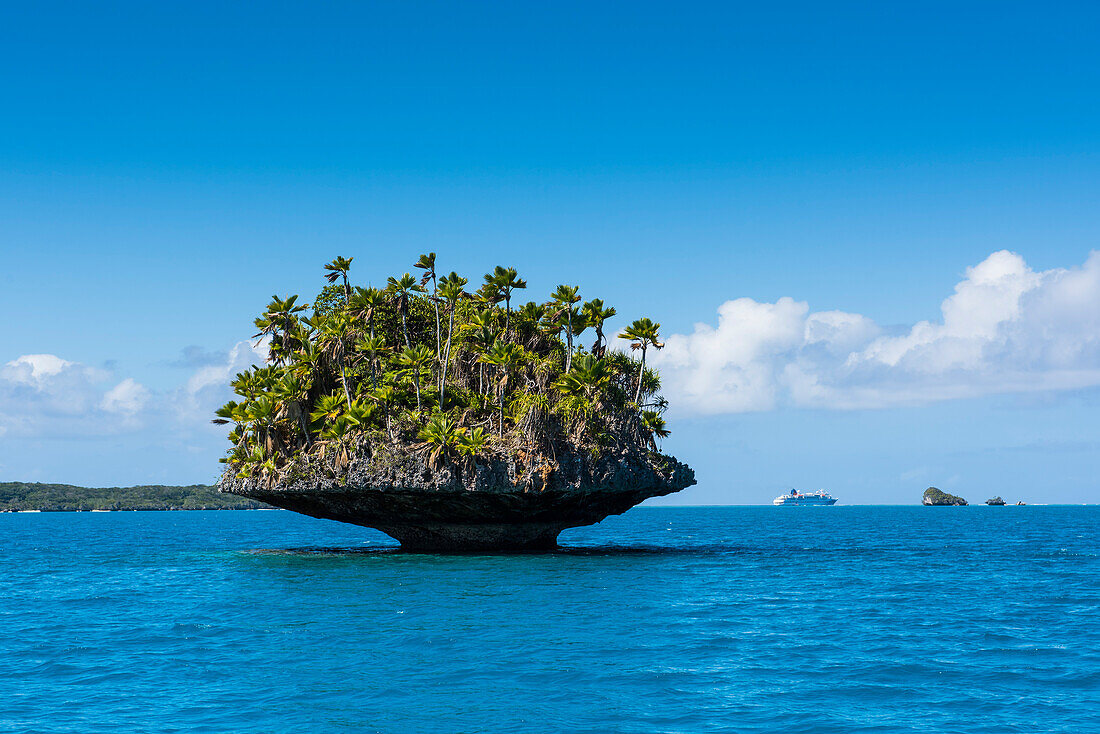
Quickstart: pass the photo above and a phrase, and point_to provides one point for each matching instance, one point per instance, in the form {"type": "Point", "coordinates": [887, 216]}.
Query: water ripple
{"type": "Point", "coordinates": [846, 619]}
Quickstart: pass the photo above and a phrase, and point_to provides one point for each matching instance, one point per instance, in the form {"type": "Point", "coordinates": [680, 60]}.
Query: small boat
{"type": "Point", "coordinates": [819, 498]}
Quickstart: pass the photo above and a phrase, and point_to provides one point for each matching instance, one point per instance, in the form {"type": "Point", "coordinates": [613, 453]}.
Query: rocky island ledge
{"type": "Point", "coordinates": [446, 419]}
{"type": "Point", "coordinates": [500, 506]}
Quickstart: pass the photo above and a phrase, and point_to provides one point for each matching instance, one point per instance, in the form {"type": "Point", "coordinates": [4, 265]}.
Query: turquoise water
{"type": "Point", "coordinates": [841, 619]}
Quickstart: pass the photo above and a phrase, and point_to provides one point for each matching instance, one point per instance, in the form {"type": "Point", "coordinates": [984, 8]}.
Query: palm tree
{"type": "Point", "coordinates": [583, 387]}
{"type": "Point", "coordinates": [401, 289]}
{"type": "Point", "coordinates": [365, 304]}
{"type": "Point", "coordinates": [372, 346]}
{"type": "Point", "coordinates": [338, 435]}
{"type": "Point", "coordinates": [442, 433]}
{"type": "Point", "coordinates": [278, 322]}
{"type": "Point", "coordinates": [488, 294]}
{"type": "Point", "coordinates": [471, 443]}
{"type": "Point", "coordinates": [339, 268]}
{"type": "Point", "coordinates": [480, 329]}
{"type": "Point", "coordinates": [229, 413]}
{"type": "Point", "coordinates": [384, 395]}
{"type": "Point", "coordinates": [452, 289]}
{"type": "Point", "coordinates": [504, 357]}
{"type": "Point", "coordinates": [261, 462]}
{"type": "Point", "coordinates": [655, 426]}
{"type": "Point", "coordinates": [360, 413]}
{"type": "Point", "coordinates": [308, 361]}
{"type": "Point", "coordinates": [291, 390]}
{"type": "Point", "coordinates": [427, 264]}
{"type": "Point", "coordinates": [262, 413]}
{"type": "Point", "coordinates": [336, 330]}
{"type": "Point", "coordinates": [505, 280]}
{"type": "Point", "coordinates": [643, 334]}
{"type": "Point", "coordinates": [533, 311]}
{"type": "Point", "coordinates": [596, 314]}
{"type": "Point", "coordinates": [245, 384]}
{"type": "Point", "coordinates": [576, 323]}
{"type": "Point", "coordinates": [312, 324]}
{"type": "Point", "coordinates": [587, 378]}
{"type": "Point", "coordinates": [237, 414]}
{"type": "Point", "coordinates": [412, 361]}
{"type": "Point", "coordinates": [326, 409]}
{"type": "Point", "coordinates": [563, 298]}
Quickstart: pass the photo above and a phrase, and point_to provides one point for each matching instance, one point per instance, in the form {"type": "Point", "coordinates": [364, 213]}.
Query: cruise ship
{"type": "Point", "coordinates": [805, 498]}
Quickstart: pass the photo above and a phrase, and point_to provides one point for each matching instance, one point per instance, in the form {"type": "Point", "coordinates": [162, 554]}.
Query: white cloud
{"type": "Point", "coordinates": [127, 397]}
{"type": "Point", "coordinates": [33, 369]}
{"type": "Point", "coordinates": [208, 387]}
{"type": "Point", "coordinates": [1006, 328]}
{"type": "Point", "coordinates": [45, 395]}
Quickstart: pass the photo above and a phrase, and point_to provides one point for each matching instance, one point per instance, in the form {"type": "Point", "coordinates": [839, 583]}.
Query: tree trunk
{"type": "Point", "coordinates": [641, 371]}
{"type": "Point", "coordinates": [569, 343]}
{"type": "Point", "coordinates": [373, 375]}
{"type": "Point", "coordinates": [435, 302]}
{"type": "Point", "coordinates": [446, 357]}
{"type": "Point", "coordinates": [303, 424]}
{"type": "Point", "coordinates": [344, 381]}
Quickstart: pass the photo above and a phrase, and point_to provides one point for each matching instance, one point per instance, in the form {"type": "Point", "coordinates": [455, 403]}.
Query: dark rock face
{"type": "Point", "coordinates": [995, 501]}
{"type": "Point", "coordinates": [937, 497]}
{"type": "Point", "coordinates": [503, 504]}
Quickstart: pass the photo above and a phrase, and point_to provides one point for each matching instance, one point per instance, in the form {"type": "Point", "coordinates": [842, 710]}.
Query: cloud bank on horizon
{"type": "Point", "coordinates": [1006, 329]}
{"type": "Point", "coordinates": [43, 395]}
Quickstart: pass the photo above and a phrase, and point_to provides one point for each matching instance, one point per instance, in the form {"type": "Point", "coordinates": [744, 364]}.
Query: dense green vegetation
{"type": "Point", "coordinates": [22, 496]}
{"type": "Point", "coordinates": [936, 496]}
{"type": "Point", "coordinates": [426, 364]}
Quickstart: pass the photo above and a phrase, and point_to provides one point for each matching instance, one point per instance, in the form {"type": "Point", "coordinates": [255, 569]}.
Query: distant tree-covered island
{"type": "Point", "coordinates": [934, 496]}
{"type": "Point", "coordinates": [449, 415]}
{"type": "Point", "coordinates": [29, 497]}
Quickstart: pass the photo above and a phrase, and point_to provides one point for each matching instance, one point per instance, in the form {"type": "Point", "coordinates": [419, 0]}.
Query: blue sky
{"type": "Point", "coordinates": [165, 168]}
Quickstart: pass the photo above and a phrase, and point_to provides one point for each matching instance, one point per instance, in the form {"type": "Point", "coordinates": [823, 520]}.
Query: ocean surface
{"type": "Point", "coordinates": [739, 619]}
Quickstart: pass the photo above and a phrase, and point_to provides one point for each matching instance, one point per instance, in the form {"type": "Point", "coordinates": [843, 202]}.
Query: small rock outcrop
{"type": "Point", "coordinates": [995, 501]}
{"type": "Point", "coordinates": [499, 505]}
{"type": "Point", "coordinates": [935, 497]}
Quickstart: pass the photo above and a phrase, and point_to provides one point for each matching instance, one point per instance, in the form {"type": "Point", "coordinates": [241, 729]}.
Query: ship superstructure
{"type": "Point", "coordinates": [795, 497]}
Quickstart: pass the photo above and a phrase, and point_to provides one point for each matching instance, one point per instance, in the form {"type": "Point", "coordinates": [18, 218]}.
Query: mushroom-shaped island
{"type": "Point", "coordinates": [449, 418]}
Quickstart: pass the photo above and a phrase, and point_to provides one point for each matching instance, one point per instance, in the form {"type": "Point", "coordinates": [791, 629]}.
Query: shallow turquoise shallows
{"type": "Point", "coordinates": [830, 619]}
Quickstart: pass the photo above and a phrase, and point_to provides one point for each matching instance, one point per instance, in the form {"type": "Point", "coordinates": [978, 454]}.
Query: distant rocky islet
{"type": "Point", "coordinates": [936, 497]}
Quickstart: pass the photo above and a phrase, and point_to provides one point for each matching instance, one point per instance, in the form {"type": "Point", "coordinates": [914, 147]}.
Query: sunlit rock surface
{"type": "Point", "coordinates": [499, 504]}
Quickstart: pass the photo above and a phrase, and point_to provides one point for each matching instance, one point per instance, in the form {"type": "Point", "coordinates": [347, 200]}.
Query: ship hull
{"type": "Point", "coordinates": [804, 501]}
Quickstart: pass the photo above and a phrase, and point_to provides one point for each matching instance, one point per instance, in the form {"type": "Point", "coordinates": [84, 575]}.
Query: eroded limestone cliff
{"type": "Point", "coordinates": [503, 503]}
